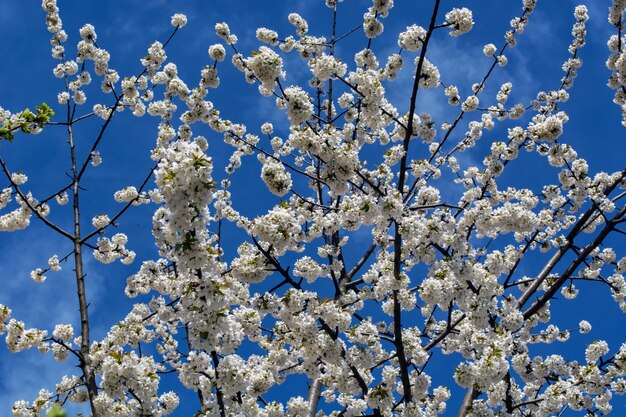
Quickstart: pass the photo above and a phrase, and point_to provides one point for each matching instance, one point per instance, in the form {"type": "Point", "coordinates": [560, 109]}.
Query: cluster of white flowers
{"type": "Point", "coordinates": [503, 94]}
{"type": "Point", "coordinates": [371, 25]}
{"type": "Point", "coordinates": [393, 66]}
{"type": "Point", "coordinates": [382, 7]}
{"type": "Point", "coordinates": [184, 179]}
{"type": "Point", "coordinates": [179, 20]}
{"type": "Point", "coordinates": [617, 60]}
{"type": "Point", "coordinates": [126, 195]}
{"type": "Point", "coordinates": [5, 197]}
{"type": "Point", "coordinates": [359, 337]}
{"type": "Point", "coordinates": [489, 49]}
{"type": "Point", "coordinates": [54, 263]}
{"type": "Point", "coordinates": [413, 38]}
{"type": "Point", "coordinates": [267, 36]}
{"type": "Point", "coordinates": [18, 178]}
{"type": "Point", "coordinates": [65, 69]}
{"type": "Point", "coordinates": [128, 371]}
{"type": "Point", "coordinates": [20, 217]}
{"type": "Point", "coordinates": [109, 250]}
{"type": "Point", "coordinates": [63, 332]}
{"type": "Point", "coordinates": [155, 57]}
{"type": "Point", "coordinates": [100, 221]}
{"type": "Point", "coordinates": [217, 52]}
{"type": "Point", "coordinates": [279, 229]}
{"type": "Point", "coordinates": [325, 67]}
{"type": "Point", "coordinates": [548, 128]}
{"type": "Point", "coordinates": [460, 20]}
{"type": "Point", "coordinates": [19, 338]}
{"type": "Point", "coordinates": [222, 30]}
{"type": "Point", "coordinates": [298, 105]}
{"type": "Point", "coordinates": [452, 92]}
{"type": "Point", "coordinates": [62, 199]}
{"type": "Point", "coordinates": [429, 76]}
{"type": "Point", "coordinates": [250, 265]}
{"type": "Point", "coordinates": [37, 275]}
{"type": "Point", "coordinates": [367, 83]}
{"type": "Point", "coordinates": [301, 25]}
{"type": "Point", "coordinates": [266, 66]}
{"type": "Point", "coordinates": [275, 176]}
{"type": "Point", "coordinates": [96, 158]}
{"type": "Point", "coordinates": [267, 128]}
{"type": "Point", "coordinates": [309, 269]}
{"type": "Point", "coordinates": [470, 103]}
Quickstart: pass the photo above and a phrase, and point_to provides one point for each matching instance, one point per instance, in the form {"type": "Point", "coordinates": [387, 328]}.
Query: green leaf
{"type": "Point", "coordinates": [56, 411]}
{"type": "Point", "coordinates": [25, 121]}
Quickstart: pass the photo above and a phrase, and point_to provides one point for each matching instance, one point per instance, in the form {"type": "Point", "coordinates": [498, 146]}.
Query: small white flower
{"type": "Point", "coordinates": [268, 36]}
{"type": "Point", "coordinates": [37, 275]}
{"type": "Point", "coordinates": [100, 221]}
{"type": "Point", "coordinates": [63, 97]}
{"type": "Point", "coordinates": [489, 49]}
{"type": "Point", "coordinates": [88, 33]}
{"type": "Point", "coordinates": [18, 178]}
{"type": "Point", "coordinates": [217, 52]}
{"type": "Point", "coordinates": [96, 159]}
{"type": "Point", "coordinates": [413, 38]}
{"type": "Point", "coordinates": [584, 326]}
{"type": "Point", "coordinates": [222, 30]}
{"type": "Point", "coordinates": [179, 20]}
{"type": "Point", "coordinates": [300, 24]}
{"type": "Point", "coordinates": [53, 263]}
{"type": "Point", "coordinates": [126, 195]}
{"type": "Point", "coordinates": [64, 332]}
{"type": "Point", "coordinates": [62, 198]}
{"type": "Point", "coordinates": [470, 104]}
{"type": "Point", "coordinates": [267, 128]}
{"type": "Point", "coordinates": [460, 20]}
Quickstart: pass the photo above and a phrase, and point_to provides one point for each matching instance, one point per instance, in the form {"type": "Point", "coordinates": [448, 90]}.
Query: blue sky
{"type": "Point", "coordinates": [126, 29]}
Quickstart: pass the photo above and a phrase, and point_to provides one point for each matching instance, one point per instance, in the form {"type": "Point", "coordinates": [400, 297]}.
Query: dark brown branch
{"type": "Point", "coordinates": [30, 206]}
{"type": "Point", "coordinates": [573, 266]}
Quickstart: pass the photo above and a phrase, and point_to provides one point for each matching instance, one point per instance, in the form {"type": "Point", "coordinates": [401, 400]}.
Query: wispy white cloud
{"type": "Point", "coordinates": [40, 306]}
{"type": "Point", "coordinates": [24, 374]}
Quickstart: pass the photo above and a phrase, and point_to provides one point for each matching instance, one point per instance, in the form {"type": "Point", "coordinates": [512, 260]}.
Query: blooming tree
{"type": "Point", "coordinates": [385, 248]}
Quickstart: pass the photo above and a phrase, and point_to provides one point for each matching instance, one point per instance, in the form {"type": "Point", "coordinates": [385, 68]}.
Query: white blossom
{"type": "Point", "coordinates": [460, 20]}
{"type": "Point", "coordinates": [179, 20]}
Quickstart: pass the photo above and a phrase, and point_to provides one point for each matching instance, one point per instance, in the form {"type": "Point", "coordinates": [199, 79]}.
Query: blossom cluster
{"type": "Point", "coordinates": [392, 237]}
